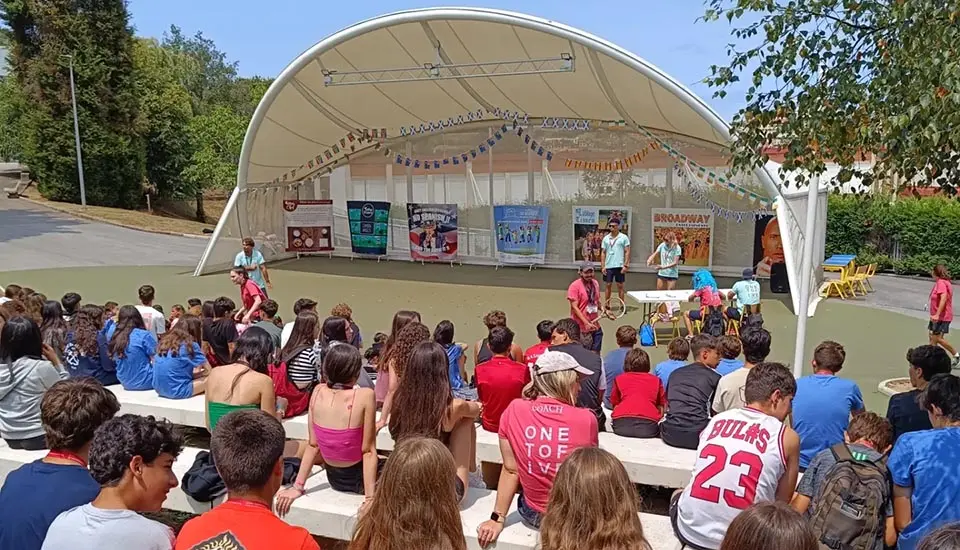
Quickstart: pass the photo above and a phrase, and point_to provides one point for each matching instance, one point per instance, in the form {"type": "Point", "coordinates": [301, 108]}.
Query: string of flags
{"type": "Point", "coordinates": [609, 166]}
{"type": "Point", "coordinates": [340, 149]}
{"type": "Point", "coordinates": [465, 118]}
{"type": "Point", "coordinates": [701, 197]}
{"type": "Point", "coordinates": [460, 158]}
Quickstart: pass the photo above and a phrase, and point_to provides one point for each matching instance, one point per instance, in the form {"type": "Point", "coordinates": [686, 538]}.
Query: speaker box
{"type": "Point", "coordinates": [779, 282]}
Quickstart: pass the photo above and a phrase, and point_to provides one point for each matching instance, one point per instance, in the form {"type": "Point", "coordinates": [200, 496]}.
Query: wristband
{"type": "Point", "coordinates": [299, 486]}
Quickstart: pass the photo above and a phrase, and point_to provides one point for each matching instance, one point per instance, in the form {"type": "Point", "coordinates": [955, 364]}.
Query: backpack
{"type": "Point", "coordinates": [297, 400]}
{"type": "Point", "coordinates": [646, 335]}
{"type": "Point", "coordinates": [751, 321]}
{"type": "Point", "coordinates": [850, 505]}
{"type": "Point", "coordinates": [713, 322]}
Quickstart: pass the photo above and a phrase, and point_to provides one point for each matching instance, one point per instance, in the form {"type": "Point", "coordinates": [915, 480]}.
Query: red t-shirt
{"type": "Point", "coordinates": [709, 297]}
{"type": "Point", "coordinates": [541, 433]}
{"type": "Point", "coordinates": [249, 291]}
{"type": "Point", "coordinates": [241, 524]}
{"type": "Point", "coordinates": [533, 352]}
{"type": "Point", "coordinates": [638, 395]}
{"type": "Point", "coordinates": [940, 288]}
{"type": "Point", "coordinates": [581, 300]}
{"type": "Point", "coordinates": [499, 381]}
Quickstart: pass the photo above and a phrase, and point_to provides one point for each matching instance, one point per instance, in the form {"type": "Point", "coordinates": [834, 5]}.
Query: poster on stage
{"type": "Point", "coordinates": [767, 245]}
{"type": "Point", "coordinates": [433, 232]}
{"type": "Point", "coordinates": [369, 226]}
{"type": "Point", "coordinates": [309, 225]}
{"type": "Point", "coordinates": [590, 226]}
{"type": "Point", "coordinates": [521, 233]}
{"type": "Point", "coordinates": [694, 230]}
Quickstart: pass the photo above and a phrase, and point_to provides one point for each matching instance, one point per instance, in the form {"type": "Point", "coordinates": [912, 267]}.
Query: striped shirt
{"type": "Point", "coordinates": [302, 368]}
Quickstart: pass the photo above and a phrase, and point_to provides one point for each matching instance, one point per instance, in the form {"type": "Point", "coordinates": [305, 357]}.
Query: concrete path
{"type": "Point", "coordinates": [34, 237]}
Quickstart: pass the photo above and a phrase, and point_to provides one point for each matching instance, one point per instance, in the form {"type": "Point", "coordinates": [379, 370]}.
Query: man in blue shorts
{"type": "Point", "coordinates": [614, 259]}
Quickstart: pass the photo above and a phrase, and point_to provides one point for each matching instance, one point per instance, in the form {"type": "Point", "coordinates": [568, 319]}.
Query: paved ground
{"type": "Point", "coordinates": [34, 237]}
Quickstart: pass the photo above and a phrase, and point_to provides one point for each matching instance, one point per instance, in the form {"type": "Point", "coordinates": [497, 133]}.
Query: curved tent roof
{"type": "Point", "coordinates": [303, 115]}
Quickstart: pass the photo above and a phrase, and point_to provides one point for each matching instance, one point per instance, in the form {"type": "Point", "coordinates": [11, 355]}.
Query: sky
{"type": "Point", "coordinates": [265, 36]}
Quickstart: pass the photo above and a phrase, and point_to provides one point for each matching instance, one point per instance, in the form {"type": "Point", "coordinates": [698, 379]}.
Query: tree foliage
{"type": "Point", "coordinates": [833, 79]}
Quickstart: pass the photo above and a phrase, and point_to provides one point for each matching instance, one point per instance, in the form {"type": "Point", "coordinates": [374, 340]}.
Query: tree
{"type": "Point", "coordinates": [11, 119]}
{"type": "Point", "coordinates": [209, 76]}
{"type": "Point", "coordinates": [835, 79]}
{"type": "Point", "coordinates": [98, 36]}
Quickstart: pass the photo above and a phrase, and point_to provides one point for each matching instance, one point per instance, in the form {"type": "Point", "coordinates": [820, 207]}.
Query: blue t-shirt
{"type": "Point", "coordinates": [668, 256]}
{"type": "Point", "coordinates": [747, 293]}
{"type": "Point", "coordinates": [173, 375]}
{"type": "Point", "coordinates": [726, 366]}
{"type": "Point", "coordinates": [454, 352]}
{"type": "Point", "coordinates": [665, 369]}
{"type": "Point", "coordinates": [615, 249]}
{"type": "Point", "coordinates": [926, 462]}
{"type": "Point", "coordinates": [821, 412]}
{"type": "Point", "coordinates": [33, 496]}
{"type": "Point", "coordinates": [134, 369]}
{"type": "Point", "coordinates": [613, 367]}
{"type": "Point", "coordinates": [99, 366]}
{"type": "Point", "coordinates": [242, 260]}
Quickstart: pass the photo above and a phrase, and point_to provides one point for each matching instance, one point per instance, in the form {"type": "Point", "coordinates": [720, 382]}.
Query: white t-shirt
{"type": "Point", "coordinates": [89, 528]}
{"type": "Point", "coordinates": [730, 391]}
{"type": "Point", "coordinates": [152, 319]}
{"type": "Point", "coordinates": [285, 333]}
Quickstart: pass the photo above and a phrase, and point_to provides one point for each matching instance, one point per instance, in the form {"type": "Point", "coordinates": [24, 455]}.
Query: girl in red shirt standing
{"type": "Point", "coordinates": [638, 398]}
{"type": "Point", "coordinates": [941, 311]}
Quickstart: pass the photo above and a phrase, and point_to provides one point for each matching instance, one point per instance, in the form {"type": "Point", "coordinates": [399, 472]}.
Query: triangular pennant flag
{"type": "Point", "coordinates": [549, 155]}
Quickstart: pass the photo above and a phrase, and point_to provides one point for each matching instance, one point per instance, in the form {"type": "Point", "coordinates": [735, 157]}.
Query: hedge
{"type": "Point", "coordinates": [926, 229]}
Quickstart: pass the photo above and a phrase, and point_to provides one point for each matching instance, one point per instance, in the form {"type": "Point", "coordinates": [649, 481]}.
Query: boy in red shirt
{"type": "Point", "coordinates": [247, 447]}
{"type": "Point", "coordinates": [544, 334]}
{"type": "Point", "coordinates": [638, 398]}
{"type": "Point", "coordinates": [499, 380]}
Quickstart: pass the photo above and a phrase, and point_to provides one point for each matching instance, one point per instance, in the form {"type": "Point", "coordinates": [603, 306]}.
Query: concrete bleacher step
{"type": "Point", "coordinates": [332, 514]}
{"type": "Point", "coordinates": [647, 461]}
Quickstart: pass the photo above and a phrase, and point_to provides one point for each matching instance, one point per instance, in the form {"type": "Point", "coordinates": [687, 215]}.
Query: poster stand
{"type": "Point", "coordinates": [329, 254]}
{"type": "Point", "coordinates": [369, 257]}
{"type": "Point", "coordinates": [457, 261]}
{"type": "Point", "coordinates": [497, 267]}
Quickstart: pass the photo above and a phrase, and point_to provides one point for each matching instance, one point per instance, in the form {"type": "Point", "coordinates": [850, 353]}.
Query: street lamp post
{"type": "Point", "coordinates": [76, 134]}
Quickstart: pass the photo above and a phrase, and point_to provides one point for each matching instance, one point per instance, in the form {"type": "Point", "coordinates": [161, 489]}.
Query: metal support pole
{"type": "Point", "coordinates": [76, 135]}
{"type": "Point", "coordinates": [806, 274]}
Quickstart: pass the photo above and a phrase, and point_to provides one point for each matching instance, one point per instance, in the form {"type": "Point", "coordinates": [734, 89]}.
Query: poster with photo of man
{"type": "Point", "coordinates": [767, 246]}
{"type": "Point", "coordinates": [433, 232]}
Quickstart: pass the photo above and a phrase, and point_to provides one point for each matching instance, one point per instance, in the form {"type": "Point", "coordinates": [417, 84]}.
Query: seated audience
{"type": "Point", "coordinates": [302, 304]}
{"type": "Point", "coordinates": [27, 369]}
{"type": "Point", "coordinates": [395, 357]}
{"type": "Point", "coordinates": [300, 352]}
{"type": "Point", "coordinates": [456, 359]}
{"type": "Point", "coordinates": [344, 310]}
{"type": "Point", "coordinates": [268, 312]}
{"type": "Point", "coordinates": [769, 525]}
{"type": "Point", "coordinates": [638, 398]}
{"type": "Point", "coordinates": [729, 347]}
{"type": "Point", "coordinates": [152, 317]}
{"type": "Point", "coordinates": [745, 456]}
{"type": "Point", "coordinates": [923, 466]}
{"type": "Point", "coordinates": [613, 362]}
{"type": "Point", "coordinates": [481, 351]}
{"type": "Point", "coordinates": [867, 440]}
{"type": "Point", "coordinates": [500, 380]}
{"type": "Point", "coordinates": [756, 348]}
{"type": "Point", "coordinates": [53, 329]}
{"type": "Point", "coordinates": [176, 312]}
{"type": "Point", "coordinates": [415, 505]}
{"type": "Point", "coordinates": [548, 420]}
{"type": "Point", "coordinates": [678, 355]}
{"type": "Point", "coordinates": [544, 336]}
{"type": "Point", "coordinates": [400, 320]}
{"type": "Point", "coordinates": [110, 312]}
{"type": "Point", "coordinates": [247, 447]}
{"type": "Point", "coordinates": [689, 395]}
{"type": "Point", "coordinates": [33, 495]}
{"type": "Point", "coordinates": [342, 419]}
{"type": "Point", "coordinates": [86, 352]}
{"type": "Point", "coordinates": [180, 367]}
{"type": "Point", "coordinates": [944, 538]}
{"type": "Point", "coordinates": [335, 330]}
{"type": "Point", "coordinates": [251, 296]}
{"type": "Point", "coordinates": [34, 304]}
{"type": "Point", "coordinates": [70, 303]}
{"type": "Point", "coordinates": [194, 302]}
{"type": "Point", "coordinates": [567, 339]}
{"type": "Point", "coordinates": [824, 403]}
{"type": "Point", "coordinates": [132, 348]}
{"type": "Point", "coordinates": [746, 296]}
{"type": "Point", "coordinates": [12, 292]}
{"type": "Point", "coordinates": [220, 333]}
{"type": "Point", "coordinates": [425, 407]}
{"type": "Point", "coordinates": [592, 504]}
{"type": "Point", "coordinates": [131, 457]}
{"type": "Point", "coordinates": [704, 289]}
{"type": "Point", "coordinates": [903, 409]}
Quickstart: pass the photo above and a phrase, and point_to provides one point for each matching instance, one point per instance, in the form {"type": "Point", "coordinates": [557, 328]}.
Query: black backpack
{"type": "Point", "coordinates": [751, 321]}
{"type": "Point", "coordinates": [713, 323]}
{"type": "Point", "coordinates": [851, 502]}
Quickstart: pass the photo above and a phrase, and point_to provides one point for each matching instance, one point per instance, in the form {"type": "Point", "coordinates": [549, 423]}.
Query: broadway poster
{"type": "Point", "coordinates": [694, 231]}
{"type": "Point", "coordinates": [369, 226]}
{"type": "Point", "coordinates": [590, 226]}
{"type": "Point", "coordinates": [309, 225]}
{"type": "Point", "coordinates": [433, 232]}
{"type": "Point", "coordinates": [521, 233]}
{"type": "Point", "coordinates": [767, 245]}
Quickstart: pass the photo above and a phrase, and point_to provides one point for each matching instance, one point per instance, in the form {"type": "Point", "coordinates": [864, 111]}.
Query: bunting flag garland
{"type": "Point", "coordinates": [608, 166]}
{"type": "Point", "coordinates": [330, 157]}
{"type": "Point", "coordinates": [465, 118]}
{"type": "Point", "coordinates": [725, 213]}
{"type": "Point", "coordinates": [456, 160]}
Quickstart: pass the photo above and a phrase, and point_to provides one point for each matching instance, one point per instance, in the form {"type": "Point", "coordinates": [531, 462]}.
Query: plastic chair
{"type": "Point", "coordinates": [733, 327]}
{"type": "Point", "coordinates": [862, 278]}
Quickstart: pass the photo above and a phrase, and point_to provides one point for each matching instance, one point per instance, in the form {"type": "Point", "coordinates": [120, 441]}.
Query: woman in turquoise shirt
{"type": "Point", "coordinates": [132, 348]}
{"type": "Point", "coordinates": [670, 252]}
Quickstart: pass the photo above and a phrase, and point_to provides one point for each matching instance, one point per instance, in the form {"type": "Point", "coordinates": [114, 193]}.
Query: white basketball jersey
{"type": "Point", "coordinates": [739, 461]}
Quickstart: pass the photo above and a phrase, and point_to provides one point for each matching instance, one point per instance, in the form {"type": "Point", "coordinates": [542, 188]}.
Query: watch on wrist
{"type": "Point", "coordinates": [497, 517]}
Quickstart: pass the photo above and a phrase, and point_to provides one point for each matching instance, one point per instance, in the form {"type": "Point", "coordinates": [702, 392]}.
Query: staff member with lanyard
{"type": "Point", "coordinates": [614, 259]}
{"type": "Point", "coordinates": [584, 297]}
{"type": "Point", "coordinates": [251, 260]}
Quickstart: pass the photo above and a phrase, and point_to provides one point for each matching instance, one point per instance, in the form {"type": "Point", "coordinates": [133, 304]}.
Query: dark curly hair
{"type": "Point", "coordinates": [399, 353]}
{"type": "Point", "coordinates": [119, 439]}
{"type": "Point", "coordinates": [87, 325]}
{"type": "Point", "coordinates": [72, 410]}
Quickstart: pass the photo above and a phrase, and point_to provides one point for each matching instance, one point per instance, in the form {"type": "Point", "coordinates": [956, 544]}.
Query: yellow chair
{"type": "Point", "coordinates": [733, 327]}
{"type": "Point", "coordinates": [862, 278]}
{"type": "Point", "coordinates": [674, 330]}
{"type": "Point", "coordinates": [838, 285]}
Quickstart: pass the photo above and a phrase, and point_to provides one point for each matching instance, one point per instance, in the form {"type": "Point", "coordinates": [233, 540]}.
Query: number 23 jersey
{"type": "Point", "coordinates": [739, 461]}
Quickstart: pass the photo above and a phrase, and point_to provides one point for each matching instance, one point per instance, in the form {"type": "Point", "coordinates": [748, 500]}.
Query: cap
{"type": "Point", "coordinates": [586, 266]}
{"type": "Point", "coordinates": [558, 361]}
{"type": "Point", "coordinates": [748, 273]}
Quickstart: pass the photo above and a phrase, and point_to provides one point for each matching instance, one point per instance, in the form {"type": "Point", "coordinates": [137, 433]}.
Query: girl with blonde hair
{"type": "Point", "coordinates": [548, 421]}
{"type": "Point", "coordinates": [592, 505]}
{"type": "Point", "coordinates": [415, 504]}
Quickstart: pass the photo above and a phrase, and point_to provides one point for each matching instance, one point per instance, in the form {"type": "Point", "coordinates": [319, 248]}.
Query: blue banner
{"type": "Point", "coordinates": [521, 233]}
{"type": "Point", "coordinates": [369, 226]}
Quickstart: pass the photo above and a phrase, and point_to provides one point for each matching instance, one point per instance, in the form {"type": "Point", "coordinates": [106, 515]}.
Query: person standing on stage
{"type": "Point", "coordinates": [251, 260]}
{"type": "Point", "coordinates": [670, 253]}
{"type": "Point", "coordinates": [584, 297]}
{"type": "Point", "coordinates": [614, 258]}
